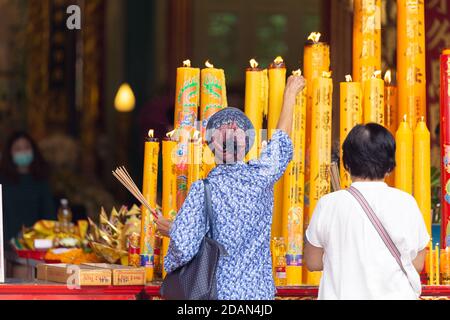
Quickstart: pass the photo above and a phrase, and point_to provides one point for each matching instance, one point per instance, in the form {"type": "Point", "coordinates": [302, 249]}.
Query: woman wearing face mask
{"type": "Point", "coordinates": [26, 192]}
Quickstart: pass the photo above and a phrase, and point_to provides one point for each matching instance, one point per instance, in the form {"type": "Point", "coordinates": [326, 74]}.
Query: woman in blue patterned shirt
{"type": "Point", "coordinates": [242, 202]}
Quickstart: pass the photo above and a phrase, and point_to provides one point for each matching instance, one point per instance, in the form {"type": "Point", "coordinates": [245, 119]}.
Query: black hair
{"type": "Point", "coordinates": [8, 170]}
{"type": "Point", "coordinates": [369, 152]}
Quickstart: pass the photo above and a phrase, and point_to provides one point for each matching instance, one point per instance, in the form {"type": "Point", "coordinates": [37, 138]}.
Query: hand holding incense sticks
{"type": "Point", "coordinates": [125, 179]}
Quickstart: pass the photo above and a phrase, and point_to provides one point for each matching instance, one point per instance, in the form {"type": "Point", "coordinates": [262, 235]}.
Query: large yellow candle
{"type": "Point", "coordinates": [213, 93]}
{"type": "Point", "coordinates": [195, 161]}
{"type": "Point", "coordinates": [256, 100]}
{"type": "Point", "coordinates": [321, 120]}
{"type": "Point", "coordinates": [187, 96]}
{"type": "Point", "coordinates": [294, 192]}
{"type": "Point", "coordinates": [277, 84]}
{"type": "Point", "coordinates": [351, 115]}
{"type": "Point", "coordinates": [390, 104]}
{"type": "Point", "coordinates": [366, 39]}
{"type": "Point", "coordinates": [316, 60]}
{"type": "Point", "coordinates": [169, 196]}
{"type": "Point", "coordinates": [390, 113]}
{"type": "Point", "coordinates": [149, 191]}
{"type": "Point", "coordinates": [374, 99]}
{"type": "Point", "coordinates": [403, 157]}
{"type": "Point", "coordinates": [411, 59]}
{"type": "Point", "coordinates": [422, 167]}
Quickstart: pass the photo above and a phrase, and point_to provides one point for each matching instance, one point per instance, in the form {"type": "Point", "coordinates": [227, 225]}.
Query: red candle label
{"type": "Point", "coordinates": [445, 147]}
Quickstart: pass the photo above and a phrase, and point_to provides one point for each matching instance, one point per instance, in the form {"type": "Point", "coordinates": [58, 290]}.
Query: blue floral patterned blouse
{"type": "Point", "coordinates": [242, 202]}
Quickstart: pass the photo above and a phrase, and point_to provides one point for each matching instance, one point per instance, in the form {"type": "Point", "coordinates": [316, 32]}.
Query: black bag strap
{"type": "Point", "coordinates": [208, 208]}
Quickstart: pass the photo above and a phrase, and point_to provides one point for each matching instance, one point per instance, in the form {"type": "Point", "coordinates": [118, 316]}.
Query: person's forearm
{"type": "Point", "coordinates": [287, 113]}
{"type": "Point", "coordinates": [313, 258]}
{"type": "Point", "coordinates": [419, 261]}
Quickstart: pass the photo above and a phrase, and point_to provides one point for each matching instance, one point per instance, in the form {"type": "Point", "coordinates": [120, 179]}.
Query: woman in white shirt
{"type": "Point", "coordinates": [343, 243]}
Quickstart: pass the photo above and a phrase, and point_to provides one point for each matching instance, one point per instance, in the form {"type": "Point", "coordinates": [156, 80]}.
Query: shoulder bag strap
{"type": "Point", "coordinates": [208, 208]}
{"type": "Point", "coordinates": [378, 226]}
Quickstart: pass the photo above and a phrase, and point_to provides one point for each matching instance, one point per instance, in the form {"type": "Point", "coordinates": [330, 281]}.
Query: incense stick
{"type": "Point", "coordinates": [125, 179]}
{"type": "Point", "coordinates": [335, 178]}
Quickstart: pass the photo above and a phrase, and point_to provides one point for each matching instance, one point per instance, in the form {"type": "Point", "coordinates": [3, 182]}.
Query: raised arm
{"type": "Point", "coordinates": [275, 157]}
{"type": "Point", "coordinates": [295, 85]}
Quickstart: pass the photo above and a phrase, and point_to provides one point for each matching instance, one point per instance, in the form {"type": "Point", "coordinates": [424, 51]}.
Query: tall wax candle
{"type": "Point", "coordinates": [351, 114]}
{"type": "Point", "coordinates": [187, 96]}
{"type": "Point", "coordinates": [321, 120]}
{"type": "Point", "coordinates": [316, 60]}
{"type": "Point", "coordinates": [294, 192]}
{"type": "Point", "coordinates": [422, 168]}
{"type": "Point", "coordinates": [403, 157]}
{"type": "Point", "coordinates": [374, 99]}
{"type": "Point", "coordinates": [149, 191]}
{"type": "Point", "coordinates": [213, 94]}
{"type": "Point", "coordinates": [277, 84]}
{"type": "Point", "coordinates": [411, 59]}
{"type": "Point", "coordinates": [390, 104]}
{"type": "Point", "coordinates": [256, 100]}
{"type": "Point", "coordinates": [445, 148]}
{"type": "Point", "coordinates": [186, 106]}
{"type": "Point", "coordinates": [195, 161]}
{"type": "Point", "coordinates": [366, 39]}
{"type": "Point", "coordinates": [390, 113]}
{"type": "Point", "coordinates": [169, 196]}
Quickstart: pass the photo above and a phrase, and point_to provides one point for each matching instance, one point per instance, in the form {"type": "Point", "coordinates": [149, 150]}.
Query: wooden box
{"type": "Point", "coordinates": [122, 275]}
{"type": "Point", "coordinates": [74, 275]}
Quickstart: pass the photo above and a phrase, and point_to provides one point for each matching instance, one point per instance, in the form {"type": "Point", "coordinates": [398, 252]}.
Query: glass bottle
{"type": "Point", "coordinates": [64, 215]}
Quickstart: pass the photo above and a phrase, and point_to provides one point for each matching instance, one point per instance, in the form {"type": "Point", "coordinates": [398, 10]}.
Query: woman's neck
{"type": "Point", "coordinates": [357, 179]}
{"type": "Point", "coordinates": [23, 170]}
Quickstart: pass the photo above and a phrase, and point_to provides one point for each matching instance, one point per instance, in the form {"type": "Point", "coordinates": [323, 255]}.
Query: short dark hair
{"type": "Point", "coordinates": [369, 152]}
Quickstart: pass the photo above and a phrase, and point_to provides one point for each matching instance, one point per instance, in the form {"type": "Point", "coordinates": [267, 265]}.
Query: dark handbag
{"type": "Point", "coordinates": [196, 280]}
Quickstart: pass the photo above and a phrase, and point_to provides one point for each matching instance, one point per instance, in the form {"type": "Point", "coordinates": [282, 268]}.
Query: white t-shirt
{"type": "Point", "coordinates": [357, 263]}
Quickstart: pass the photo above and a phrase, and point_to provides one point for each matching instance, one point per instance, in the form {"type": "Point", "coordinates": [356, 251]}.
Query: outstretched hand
{"type": "Point", "coordinates": [295, 85]}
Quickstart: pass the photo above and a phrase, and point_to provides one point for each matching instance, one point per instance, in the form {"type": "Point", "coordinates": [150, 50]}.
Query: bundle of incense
{"type": "Point", "coordinates": [124, 178]}
{"type": "Point", "coordinates": [335, 179]}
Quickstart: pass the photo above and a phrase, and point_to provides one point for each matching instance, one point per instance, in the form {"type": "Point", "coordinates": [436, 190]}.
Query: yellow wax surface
{"type": "Point", "coordinates": [351, 114]}
{"type": "Point", "coordinates": [422, 168]}
{"type": "Point", "coordinates": [403, 158]}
